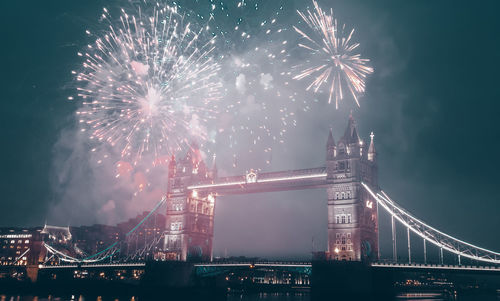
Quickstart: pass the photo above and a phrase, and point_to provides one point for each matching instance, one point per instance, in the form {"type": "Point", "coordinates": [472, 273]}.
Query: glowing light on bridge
{"type": "Point", "coordinates": [265, 180]}
{"type": "Point", "coordinates": [430, 234]}
{"type": "Point", "coordinates": [323, 175]}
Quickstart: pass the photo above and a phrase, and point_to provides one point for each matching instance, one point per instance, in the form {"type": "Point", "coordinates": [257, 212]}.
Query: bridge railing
{"type": "Point", "coordinates": [113, 249]}
{"type": "Point", "coordinates": [429, 234]}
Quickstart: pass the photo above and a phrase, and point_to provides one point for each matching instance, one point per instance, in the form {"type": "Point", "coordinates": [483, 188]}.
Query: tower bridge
{"type": "Point", "coordinates": [352, 211]}
{"type": "Point", "coordinates": [180, 258]}
{"type": "Point", "coordinates": [349, 177]}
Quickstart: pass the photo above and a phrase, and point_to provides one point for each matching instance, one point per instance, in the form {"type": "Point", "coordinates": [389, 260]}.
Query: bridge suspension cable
{"type": "Point", "coordinates": [112, 249]}
{"type": "Point", "coordinates": [430, 234]}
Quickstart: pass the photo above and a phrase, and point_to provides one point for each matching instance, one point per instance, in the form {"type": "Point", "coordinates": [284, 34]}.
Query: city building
{"type": "Point", "coordinates": [20, 246]}
{"type": "Point", "coordinates": [147, 239]}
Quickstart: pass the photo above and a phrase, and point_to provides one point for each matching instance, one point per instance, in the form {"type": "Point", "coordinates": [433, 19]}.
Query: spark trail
{"type": "Point", "coordinates": [333, 61]}
{"type": "Point", "coordinates": [149, 84]}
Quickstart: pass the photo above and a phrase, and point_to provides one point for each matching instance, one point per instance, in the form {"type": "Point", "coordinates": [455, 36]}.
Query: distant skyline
{"type": "Point", "coordinates": [432, 103]}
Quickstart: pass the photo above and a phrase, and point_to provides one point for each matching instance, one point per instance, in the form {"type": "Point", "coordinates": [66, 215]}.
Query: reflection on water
{"type": "Point", "coordinates": [237, 297]}
{"type": "Point", "coordinates": [270, 297]}
{"type": "Point", "coordinates": [62, 298]}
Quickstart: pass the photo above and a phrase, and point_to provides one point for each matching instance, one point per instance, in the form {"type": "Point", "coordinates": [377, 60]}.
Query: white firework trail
{"type": "Point", "coordinates": [149, 84]}
{"type": "Point", "coordinates": [333, 62]}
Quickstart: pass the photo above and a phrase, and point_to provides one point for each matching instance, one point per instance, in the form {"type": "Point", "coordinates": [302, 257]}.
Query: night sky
{"type": "Point", "coordinates": [432, 102]}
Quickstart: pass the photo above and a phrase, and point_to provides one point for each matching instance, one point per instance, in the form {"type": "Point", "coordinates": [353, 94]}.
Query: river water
{"type": "Point", "coordinates": [252, 297]}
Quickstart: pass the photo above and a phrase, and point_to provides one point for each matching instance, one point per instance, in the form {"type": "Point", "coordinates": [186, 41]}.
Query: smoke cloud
{"type": "Point", "coordinates": [267, 122]}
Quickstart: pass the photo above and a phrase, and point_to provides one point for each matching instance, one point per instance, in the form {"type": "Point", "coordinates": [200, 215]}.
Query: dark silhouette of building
{"type": "Point", "coordinates": [147, 238]}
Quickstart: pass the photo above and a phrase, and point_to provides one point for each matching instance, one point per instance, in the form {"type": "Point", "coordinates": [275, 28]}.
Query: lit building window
{"type": "Point", "coordinates": [343, 218]}
{"type": "Point", "coordinates": [176, 226]}
{"type": "Point", "coordinates": [349, 219]}
{"type": "Point", "coordinates": [337, 217]}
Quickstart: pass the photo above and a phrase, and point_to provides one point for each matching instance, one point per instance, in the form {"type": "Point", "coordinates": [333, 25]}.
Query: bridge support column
{"type": "Point", "coordinates": [32, 272]}
{"type": "Point", "coordinates": [425, 252]}
{"type": "Point", "coordinates": [409, 245]}
{"type": "Point", "coordinates": [350, 280]}
{"type": "Point", "coordinates": [441, 255]}
{"type": "Point", "coordinates": [459, 261]}
{"type": "Point", "coordinates": [394, 246]}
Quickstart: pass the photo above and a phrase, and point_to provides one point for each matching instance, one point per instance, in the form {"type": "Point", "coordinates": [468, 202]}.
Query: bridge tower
{"type": "Point", "coordinates": [352, 212]}
{"type": "Point", "coordinates": [190, 214]}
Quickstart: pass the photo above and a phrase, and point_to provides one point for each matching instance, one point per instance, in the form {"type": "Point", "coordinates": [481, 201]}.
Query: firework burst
{"type": "Point", "coordinates": [149, 84]}
{"type": "Point", "coordinates": [335, 63]}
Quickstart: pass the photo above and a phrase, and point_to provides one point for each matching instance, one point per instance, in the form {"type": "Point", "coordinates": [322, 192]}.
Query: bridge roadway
{"type": "Point", "coordinates": [254, 182]}
{"type": "Point", "coordinates": [94, 266]}
{"type": "Point", "coordinates": [293, 265]}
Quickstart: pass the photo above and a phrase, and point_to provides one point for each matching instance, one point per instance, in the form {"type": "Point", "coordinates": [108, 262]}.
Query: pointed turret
{"type": "Point", "coordinates": [214, 167]}
{"type": "Point", "coordinates": [331, 142]}
{"type": "Point", "coordinates": [195, 154]}
{"type": "Point", "coordinates": [371, 150]}
{"type": "Point", "coordinates": [171, 167]}
{"type": "Point", "coordinates": [189, 164]}
{"type": "Point", "coordinates": [331, 148]}
{"type": "Point", "coordinates": [351, 134]}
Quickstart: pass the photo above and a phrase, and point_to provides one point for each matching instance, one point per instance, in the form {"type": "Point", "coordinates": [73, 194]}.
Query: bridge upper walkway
{"type": "Point", "coordinates": [254, 182]}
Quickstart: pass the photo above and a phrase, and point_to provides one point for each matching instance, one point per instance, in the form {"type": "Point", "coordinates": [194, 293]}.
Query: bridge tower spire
{"type": "Point", "coordinates": [190, 214]}
{"type": "Point", "coordinates": [352, 213]}
{"type": "Point", "coordinates": [214, 166]}
{"type": "Point", "coordinates": [331, 148]}
{"type": "Point", "coordinates": [372, 153]}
